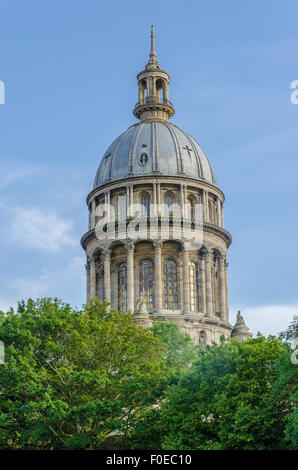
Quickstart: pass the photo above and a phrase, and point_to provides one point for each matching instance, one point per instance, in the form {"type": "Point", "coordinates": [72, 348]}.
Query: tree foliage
{"type": "Point", "coordinates": [229, 400]}
{"type": "Point", "coordinates": [74, 377]}
{"type": "Point", "coordinates": [181, 352]}
{"type": "Point", "coordinates": [286, 384]}
{"type": "Point", "coordinates": [291, 333]}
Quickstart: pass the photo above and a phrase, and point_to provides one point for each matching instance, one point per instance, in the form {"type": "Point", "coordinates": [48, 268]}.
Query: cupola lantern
{"type": "Point", "coordinates": [153, 87]}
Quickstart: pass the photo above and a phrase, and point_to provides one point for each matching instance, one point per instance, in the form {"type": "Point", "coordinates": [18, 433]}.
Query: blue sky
{"type": "Point", "coordinates": [69, 69]}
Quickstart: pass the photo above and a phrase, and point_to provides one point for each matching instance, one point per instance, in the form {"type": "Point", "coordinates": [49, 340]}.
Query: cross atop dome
{"type": "Point", "coordinates": [153, 85]}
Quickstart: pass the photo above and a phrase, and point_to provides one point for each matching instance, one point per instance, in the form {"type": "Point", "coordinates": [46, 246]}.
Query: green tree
{"type": "Point", "coordinates": [74, 377]}
{"type": "Point", "coordinates": [181, 352]}
{"type": "Point", "coordinates": [291, 333]}
{"type": "Point", "coordinates": [286, 383]}
{"type": "Point", "coordinates": [225, 402]}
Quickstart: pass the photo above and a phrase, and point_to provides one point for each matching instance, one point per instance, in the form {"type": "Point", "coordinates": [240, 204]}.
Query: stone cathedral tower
{"type": "Point", "coordinates": [150, 169]}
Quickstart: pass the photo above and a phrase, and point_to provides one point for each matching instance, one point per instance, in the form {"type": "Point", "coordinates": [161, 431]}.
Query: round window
{"type": "Point", "coordinates": [143, 159]}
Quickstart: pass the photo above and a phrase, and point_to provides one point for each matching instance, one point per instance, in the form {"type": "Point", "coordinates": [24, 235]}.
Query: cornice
{"type": "Point", "coordinates": [195, 317]}
{"type": "Point", "coordinates": [220, 231]}
{"type": "Point", "coordinates": [224, 234]}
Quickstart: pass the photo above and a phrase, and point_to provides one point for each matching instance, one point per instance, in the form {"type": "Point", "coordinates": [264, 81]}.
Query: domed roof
{"type": "Point", "coordinates": [154, 148]}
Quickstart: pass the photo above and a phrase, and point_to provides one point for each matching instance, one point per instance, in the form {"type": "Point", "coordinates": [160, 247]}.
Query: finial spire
{"type": "Point", "coordinates": [153, 84]}
{"type": "Point", "coordinates": [152, 50]}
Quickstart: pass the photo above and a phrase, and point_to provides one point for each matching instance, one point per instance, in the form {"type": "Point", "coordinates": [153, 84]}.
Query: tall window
{"type": "Point", "coordinates": [100, 287]}
{"type": "Point", "coordinates": [122, 287]}
{"type": "Point", "coordinates": [146, 282]}
{"type": "Point", "coordinates": [216, 287]}
{"type": "Point", "coordinates": [145, 205]}
{"type": "Point", "coordinates": [212, 211]}
{"type": "Point", "coordinates": [170, 285]}
{"type": "Point", "coordinates": [168, 200]}
{"type": "Point", "coordinates": [193, 285]}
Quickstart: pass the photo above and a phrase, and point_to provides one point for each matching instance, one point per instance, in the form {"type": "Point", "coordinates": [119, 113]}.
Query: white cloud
{"type": "Point", "coordinates": [268, 319]}
{"type": "Point", "coordinates": [41, 230]}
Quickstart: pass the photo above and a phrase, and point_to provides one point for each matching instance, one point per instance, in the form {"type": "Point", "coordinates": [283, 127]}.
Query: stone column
{"type": "Point", "coordinates": [158, 199]}
{"type": "Point", "coordinates": [203, 198]}
{"type": "Point", "coordinates": [93, 208]}
{"type": "Point", "coordinates": [166, 91]}
{"type": "Point", "coordinates": [222, 287]}
{"type": "Point", "coordinates": [153, 212]}
{"type": "Point", "coordinates": [227, 291]}
{"type": "Point", "coordinates": [182, 201]}
{"type": "Point", "coordinates": [131, 201]}
{"type": "Point", "coordinates": [127, 201]}
{"type": "Point", "coordinates": [107, 276]}
{"type": "Point", "coordinates": [87, 282]}
{"type": "Point", "coordinates": [218, 212]}
{"type": "Point", "coordinates": [202, 286]}
{"type": "Point", "coordinates": [92, 279]}
{"type": "Point", "coordinates": [208, 283]}
{"type": "Point", "coordinates": [185, 201]}
{"type": "Point", "coordinates": [185, 281]}
{"type": "Point", "coordinates": [89, 217]}
{"type": "Point", "coordinates": [130, 278]}
{"type": "Point", "coordinates": [206, 206]}
{"type": "Point", "coordinates": [107, 204]}
{"type": "Point", "coordinates": [153, 86]}
{"type": "Point", "coordinates": [157, 277]}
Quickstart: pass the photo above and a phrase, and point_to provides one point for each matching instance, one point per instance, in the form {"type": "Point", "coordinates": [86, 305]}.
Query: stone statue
{"type": "Point", "coordinates": [202, 339]}
{"type": "Point", "coordinates": [141, 307]}
{"type": "Point", "coordinates": [240, 319]}
{"type": "Point", "coordinates": [240, 330]}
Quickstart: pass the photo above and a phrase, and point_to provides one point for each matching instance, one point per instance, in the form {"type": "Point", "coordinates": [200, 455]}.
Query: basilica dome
{"type": "Point", "coordinates": [141, 256]}
{"type": "Point", "coordinates": [154, 147]}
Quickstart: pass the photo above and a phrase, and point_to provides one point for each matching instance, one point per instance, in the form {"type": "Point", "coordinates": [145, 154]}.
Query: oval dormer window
{"type": "Point", "coordinates": [143, 159]}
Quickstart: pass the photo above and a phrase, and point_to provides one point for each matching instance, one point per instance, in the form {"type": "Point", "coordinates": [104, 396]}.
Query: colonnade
{"type": "Point", "coordinates": [156, 199]}
{"type": "Point", "coordinates": [204, 286]}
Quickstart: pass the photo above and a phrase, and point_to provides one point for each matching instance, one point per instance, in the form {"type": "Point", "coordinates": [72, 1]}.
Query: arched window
{"type": "Point", "coordinates": [169, 201]}
{"type": "Point", "coordinates": [193, 285]}
{"type": "Point", "coordinates": [212, 211]}
{"type": "Point", "coordinates": [160, 90]}
{"type": "Point", "coordinates": [142, 91]}
{"type": "Point", "coordinates": [122, 287]}
{"type": "Point", "coordinates": [170, 285]}
{"type": "Point", "coordinates": [145, 205]}
{"type": "Point", "coordinates": [146, 282]}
